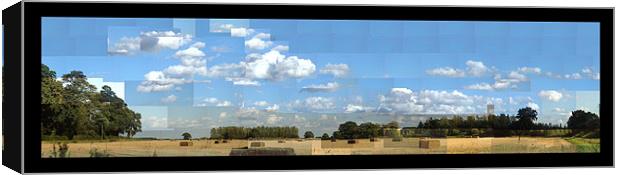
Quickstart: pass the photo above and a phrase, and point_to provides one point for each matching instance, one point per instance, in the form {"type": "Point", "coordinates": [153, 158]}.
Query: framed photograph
{"type": "Point", "coordinates": [206, 87]}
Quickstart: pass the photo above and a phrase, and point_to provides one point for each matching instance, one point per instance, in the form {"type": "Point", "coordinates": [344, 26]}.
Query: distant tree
{"type": "Point", "coordinates": [348, 130]}
{"type": "Point", "coordinates": [186, 136]}
{"type": "Point", "coordinates": [525, 120]}
{"type": "Point", "coordinates": [420, 125]}
{"type": "Point", "coordinates": [580, 119]}
{"type": "Point", "coordinates": [308, 134]}
{"type": "Point", "coordinates": [325, 136]}
{"type": "Point", "coordinates": [369, 130]}
{"type": "Point", "coordinates": [392, 124]}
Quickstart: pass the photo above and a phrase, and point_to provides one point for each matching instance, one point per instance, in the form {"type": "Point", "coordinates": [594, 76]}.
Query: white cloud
{"type": "Point", "coordinates": [533, 70]}
{"type": "Point", "coordinates": [241, 32]}
{"type": "Point", "coordinates": [273, 119]}
{"type": "Point", "coordinates": [212, 101]}
{"type": "Point", "coordinates": [480, 86]}
{"type": "Point", "coordinates": [192, 63]}
{"type": "Point", "coordinates": [314, 104]}
{"type": "Point", "coordinates": [596, 76]}
{"type": "Point", "coordinates": [446, 71]}
{"type": "Point", "coordinates": [476, 68]}
{"type": "Point", "coordinates": [257, 44]}
{"type": "Point", "coordinates": [273, 108]}
{"type": "Point", "coordinates": [221, 28]}
{"type": "Point", "coordinates": [156, 40]}
{"type": "Point", "coordinates": [268, 66]}
{"type": "Point", "coordinates": [352, 108]}
{"type": "Point", "coordinates": [512, 79]}
{"type": "Point", "coordinates": [169, 99]}
{"type": "Point", "coordinates": [574, 76]}
{"type": "Point", "coordinates": [224, 104]}
{"type": "Point", "coordinates": [243, 81]}
{"type": "Point", "coordinates": [262, 35]}
{"type": "Point", "coordinates": [261, 103]}
{"type": "Point", "coordinates": [329, 87]}
{"type": "Point", "coordinates": [406, 101]}
{"type": "Point", "coordinates": [156, 81]}
{"type": "Point", "coordinates": [223, 115]}
{"type": "Point", "coordinates": [125, 46]}
{"type": "Point", "coordinates": [517, 77]}
{"type": "Point", "coordinates": [280, 48]}
{"type": "Point", "coordinates": [550, 95]}
{"type": "Point", "coordinates": [154, 122]}
{"type": "Point", "coordinates": [247, 114]}
{"type": "Point", "coordinates": [533, 105]}
{"type": "Point", "coordinates": [338, 70]}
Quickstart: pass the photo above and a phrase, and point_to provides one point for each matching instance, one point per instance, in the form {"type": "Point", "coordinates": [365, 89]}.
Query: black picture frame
{"type": "Point", "coordinates": [34, 11]}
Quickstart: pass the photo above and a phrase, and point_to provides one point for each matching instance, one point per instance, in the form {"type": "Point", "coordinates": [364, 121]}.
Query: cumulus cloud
{"type": "Point", "coordinates": [169, 99]}
{"type": "Point", "coordinates": [476, 68]}
{"type": "Point", "coordinates": [221, 28]}
{"type": "Point", "coordinates": [329, 87]}
{"type": "Point", "coordinates": [273, 119]}
{"type": "Point", "coordinates": [125, 46]}
{"type": "Point", "coordinates": [212, 101]}
{"type": "Point", "coordinates": [241, 32]}
{"type": "Point", "coordinates": [259, 42]}
{"type": "Point", "coordinates": [532, 70]}
{"type": "Point", "coordinates": [314, 104]}
{"type": "Point", "coordinates": [272, 108]}
{"type": "Point", "coordinates": [473, 68]}
{"type": "Point", "coordinates": [149, 41]}
{"type": "Point", "coordinates": [550, 95]}
{"type": "Point", "coordinates": [247, 114]}
{"type": "Point", "coordinates": [192, 63]}
{"type": "Point", "coordinates": [533, 105]}
{"type": "Point", "coordinates": [406, 101]}
{"type": "Point", "coordinates": [280, 48]}
{"type": "Point", "coordinates": [243, 81]}
{"type": "Point", "coordinates": [510, 81]}
{"type": "Point", "coordinates": [156, 81]}
{"type": "Point", "coordinates": [154, 122]}
{"type": "Point", "coordinates": [272, 66]}
{"type": "Point", "coordinates": [261, 103]}
{"type": "Point", "coordinates": [352, 108]}
{"type": "Point", "coordinates": [337, 70]}
{"type": "Point", "coordinates": [446, 71]}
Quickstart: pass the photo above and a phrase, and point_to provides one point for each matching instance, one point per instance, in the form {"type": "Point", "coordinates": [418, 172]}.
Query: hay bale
{"type": "Point", "coordinates": [429, 144]}
{"type": "Point", "coordinates": [184, 143]}
{"type": "Point", "coordinates": [217, 142]}
{"type": "Point", "coordinates": [373, 140]}
{"type": "Point", "coordinates": [334, 140]}
{"type": "Point", "coordinates": [351, 141]}
{"type": "Point", "coordinates": [300, 140]}
{"type": "Point", "coordinates": [224, 141]}
{"type": "Point", "coordinates": [257, 144]}
{"type": "Point", "coordinates": [263, 152]}
{"type": "Point", "coordinates": [397, 139]}
{"type": "Point", "coordinates": [281, 141]}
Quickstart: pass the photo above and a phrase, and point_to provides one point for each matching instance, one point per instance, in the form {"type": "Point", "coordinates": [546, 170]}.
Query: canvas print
{"type": "Point", "coordinates": [176, 87]}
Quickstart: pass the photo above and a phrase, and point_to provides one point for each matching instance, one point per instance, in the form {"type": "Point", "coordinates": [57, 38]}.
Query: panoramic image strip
{"type": "Point", "coordinates": [174, 87]}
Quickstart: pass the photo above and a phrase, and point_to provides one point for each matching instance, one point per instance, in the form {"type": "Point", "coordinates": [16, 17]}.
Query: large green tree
{"type": "Point", "coordinates": [525, 120]}
{"type": "Point", "coordinates": [581, 119]}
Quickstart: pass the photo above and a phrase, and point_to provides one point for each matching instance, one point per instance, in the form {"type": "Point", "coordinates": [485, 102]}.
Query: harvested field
{"type": "Point", "coordinates": [162, 148]}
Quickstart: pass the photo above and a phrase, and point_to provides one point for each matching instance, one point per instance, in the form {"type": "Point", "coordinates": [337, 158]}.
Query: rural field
{"type": "Point", "coordinates": [151, 148]}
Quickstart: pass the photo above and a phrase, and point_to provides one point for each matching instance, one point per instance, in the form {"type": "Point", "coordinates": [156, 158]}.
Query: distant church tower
{"type": "Point", "coordinates": [490, 109]}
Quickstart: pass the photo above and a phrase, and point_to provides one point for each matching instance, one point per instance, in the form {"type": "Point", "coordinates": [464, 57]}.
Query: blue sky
{"type": "Point", "coordinates": [203, 73]}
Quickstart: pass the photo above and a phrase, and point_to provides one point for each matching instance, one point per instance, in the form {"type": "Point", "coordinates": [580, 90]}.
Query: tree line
{"type": "Point", "coordinates": [72, 107]}
{"type": "Point", "coordinates": [523, 123]}
{"type": "Point", "coordinates": [260, 132]}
